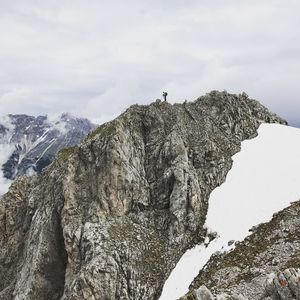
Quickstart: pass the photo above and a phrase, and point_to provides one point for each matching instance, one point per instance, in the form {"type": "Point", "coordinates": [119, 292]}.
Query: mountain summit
{"type": "Point", "coordinates": [110, 218]}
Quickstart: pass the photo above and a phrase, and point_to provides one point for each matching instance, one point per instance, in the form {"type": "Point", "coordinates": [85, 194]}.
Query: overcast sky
{"type": "Point", "coordinates": [95, 58]}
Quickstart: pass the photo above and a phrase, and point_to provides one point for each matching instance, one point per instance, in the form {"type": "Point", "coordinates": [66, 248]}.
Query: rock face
{"type": "Point", "coordinates": [34, 141]}
{"type": "Point", "coordinates": [263, 266]}
{"type": "Point", "coordinates": [110, 218]}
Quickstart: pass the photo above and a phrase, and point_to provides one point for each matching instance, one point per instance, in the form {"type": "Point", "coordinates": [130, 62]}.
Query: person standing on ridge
{"type": "Point", "coordinates": [165, 94]}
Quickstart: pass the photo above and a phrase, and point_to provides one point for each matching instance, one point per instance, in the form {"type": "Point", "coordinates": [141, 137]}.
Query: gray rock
{"type": "Point", "coordinates": [284, 285]}
{"type": "Point", "coordinates": [203, 293]}
{"type": "Point", "coordinates": [231, 242]}
{"type": "Point", "coordinates": [110, 218]}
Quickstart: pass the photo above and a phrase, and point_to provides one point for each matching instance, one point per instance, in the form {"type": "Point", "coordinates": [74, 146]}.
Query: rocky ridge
{"type": "Point", "coordinates": [110, 218]}
{"type": "Point", "coordinates": [265, 266]}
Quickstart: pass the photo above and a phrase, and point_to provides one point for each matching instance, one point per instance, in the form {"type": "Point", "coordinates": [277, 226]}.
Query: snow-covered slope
{"type": "Point", "coordinates": [264, 179]}
{"type": "Point", "coordinates": [28, 144]}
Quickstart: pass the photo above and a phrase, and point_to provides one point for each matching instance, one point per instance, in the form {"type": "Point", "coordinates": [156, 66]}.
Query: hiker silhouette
{"type": "Point", "coordinates": [165, 94]}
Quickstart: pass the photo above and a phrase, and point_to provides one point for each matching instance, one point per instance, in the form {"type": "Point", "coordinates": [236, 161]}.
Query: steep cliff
{"type": "Point", "coordinates": [110, 218]}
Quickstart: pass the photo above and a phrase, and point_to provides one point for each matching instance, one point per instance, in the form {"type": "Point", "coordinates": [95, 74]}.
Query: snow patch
{"type": "Point", "coordinates": [264, 179]}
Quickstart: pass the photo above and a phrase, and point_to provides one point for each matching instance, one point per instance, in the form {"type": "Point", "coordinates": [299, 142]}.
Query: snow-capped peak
{"type": "Point", "coordinates": [28, 144]}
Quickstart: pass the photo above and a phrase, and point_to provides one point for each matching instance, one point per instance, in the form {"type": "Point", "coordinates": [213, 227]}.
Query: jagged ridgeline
{"type": "Point", "coordinates": [110, 218]}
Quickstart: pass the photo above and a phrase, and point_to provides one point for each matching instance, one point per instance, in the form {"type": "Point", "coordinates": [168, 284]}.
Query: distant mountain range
{"type": "Point", "coordinates": [28, 144]}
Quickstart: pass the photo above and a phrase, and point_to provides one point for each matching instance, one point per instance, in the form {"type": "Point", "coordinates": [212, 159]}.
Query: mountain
{"type": "Point", "coordinates": [111, 217]}
{"type": "Point", "coordinates": [264, 179]}
{"type": "Point", "coordinates": [29, 144]}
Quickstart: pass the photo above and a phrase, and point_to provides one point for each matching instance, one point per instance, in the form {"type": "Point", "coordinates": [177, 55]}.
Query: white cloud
{"type": "Point", "coordinates": [6, 150]}
{"type": "Point", "coordinates": [96, 58]}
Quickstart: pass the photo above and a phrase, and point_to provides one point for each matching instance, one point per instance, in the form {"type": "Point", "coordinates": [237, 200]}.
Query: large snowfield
{"type": "Point", "coordinates": [264, 179]}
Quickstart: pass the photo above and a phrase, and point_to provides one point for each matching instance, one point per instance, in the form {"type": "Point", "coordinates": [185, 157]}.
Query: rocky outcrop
{"type": "Point", "coordinates": [264, 266]}
{"type": "Point", "coordinates": [110, 218]}
{"type": "Point", "coordinates": [284, 285]}
{"type": "Point", "coordinates": [281, 286]}
{"type": "Point", "coordinates": [203, 293]}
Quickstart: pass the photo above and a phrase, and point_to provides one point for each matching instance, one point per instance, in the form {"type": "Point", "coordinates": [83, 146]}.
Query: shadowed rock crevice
{"type": "Point", "coordinates": [42, 270]}
{"type": "Point", "coordinates": [58, 269]}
